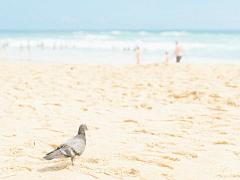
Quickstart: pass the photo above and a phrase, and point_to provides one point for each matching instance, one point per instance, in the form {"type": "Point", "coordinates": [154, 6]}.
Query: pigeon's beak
{"type": "Point", "coordinates": [86, 128]}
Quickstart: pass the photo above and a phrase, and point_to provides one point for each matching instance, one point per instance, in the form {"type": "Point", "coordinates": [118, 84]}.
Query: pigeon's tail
{"type": "Point", "coordinates": [54, 154]}
{"type": "Point", "coordinates": [48, 157]}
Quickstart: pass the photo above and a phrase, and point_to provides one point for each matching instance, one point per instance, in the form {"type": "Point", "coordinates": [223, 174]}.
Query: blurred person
{"type": "Point", "coordinates": [179, 52]}
{"type": "Point", "coordinates": [28, 44]}
{"type": "Point", "coordinates": [54, 46]}
{"type": "Point", "coordinates": [167, 56]}
{"type": "Point", "coordinates": [42, 46]}
{"type": "Point", "coordinates": [3, 46]}
{"type": "Point", "coordinates": [138, 54]}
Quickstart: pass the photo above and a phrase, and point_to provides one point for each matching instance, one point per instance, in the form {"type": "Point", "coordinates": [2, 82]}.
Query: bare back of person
{"type": "Point", "coordinates": [179, 52]}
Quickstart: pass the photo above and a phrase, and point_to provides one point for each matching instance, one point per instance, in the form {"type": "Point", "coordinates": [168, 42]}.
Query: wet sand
{"type": "Point", "coordinates": [156, 121]}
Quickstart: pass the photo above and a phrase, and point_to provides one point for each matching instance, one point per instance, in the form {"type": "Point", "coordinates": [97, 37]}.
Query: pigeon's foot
{"type": "Point", "coordinates": [72, 159]}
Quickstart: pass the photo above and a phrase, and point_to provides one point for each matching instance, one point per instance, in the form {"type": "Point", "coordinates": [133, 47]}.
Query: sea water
{"type": "Point", "coordinates": [117, 47]}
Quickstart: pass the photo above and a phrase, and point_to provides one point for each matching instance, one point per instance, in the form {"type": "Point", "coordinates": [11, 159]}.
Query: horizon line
{"type": "Point", "coordinates": [119, 29]}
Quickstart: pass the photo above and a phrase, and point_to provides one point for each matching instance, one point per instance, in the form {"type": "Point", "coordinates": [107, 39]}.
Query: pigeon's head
{"type": "Point", "coordinates": [82, 129]}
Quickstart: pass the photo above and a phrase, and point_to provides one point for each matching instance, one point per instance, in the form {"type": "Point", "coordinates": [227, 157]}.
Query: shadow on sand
{"type": "Point", "coordinates": [55, 167]}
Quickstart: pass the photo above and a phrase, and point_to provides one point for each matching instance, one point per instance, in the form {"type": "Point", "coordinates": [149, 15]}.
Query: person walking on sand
{"type": "Point", "coordinates": [138, 54]}
{"type": "Point", "coordinates": [167, 56]}
{"type": "Point", "coordinates": [179, 52]}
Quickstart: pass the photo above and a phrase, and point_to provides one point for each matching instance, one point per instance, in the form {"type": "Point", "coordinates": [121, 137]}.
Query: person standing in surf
{"type": "Point", "coordinates": [138, 54]}
{"type": "Point", "coordinates": [167, 56]}
{"type": "Point", "coordinates": [179, 52]}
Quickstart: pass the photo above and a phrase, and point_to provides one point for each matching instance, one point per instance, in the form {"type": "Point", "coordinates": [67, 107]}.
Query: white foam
{"type": "Point", "coordinates": [97, 37]}
{"type": "Point", "coordinates": [143, 33]}
{"type": "Point", "coordinates": [174, 33]}
{"type": "Point", "coordinates": [116, 32]}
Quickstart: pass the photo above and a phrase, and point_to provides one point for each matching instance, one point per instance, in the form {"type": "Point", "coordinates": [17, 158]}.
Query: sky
{"type": "Point", "coordinates": [119, 14]}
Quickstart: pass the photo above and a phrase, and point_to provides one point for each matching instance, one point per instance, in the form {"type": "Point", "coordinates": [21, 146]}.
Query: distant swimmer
{"type": "Point", "coordinates": [179, 52]}
{"type": "Point", "coordinates": [167, 56]}
{"type": "Point", "coordinates": [28, 43]}
{"type": "Point", "coordinates": [54, 46]}
{"type": "Point", "coordinates": [138, 54]}
{"type": "Point", "coordinates": [42, 46]}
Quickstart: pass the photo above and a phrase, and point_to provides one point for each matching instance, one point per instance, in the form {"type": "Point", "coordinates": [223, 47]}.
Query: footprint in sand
{"type": "Point", "coordinates": [223, 143]}
{"type": "Point", "coordinates": [130, 121]}
{"type": "Point", "coordinates": [170, 158]}
{"type": "Point", "coordinates": [35, 143]}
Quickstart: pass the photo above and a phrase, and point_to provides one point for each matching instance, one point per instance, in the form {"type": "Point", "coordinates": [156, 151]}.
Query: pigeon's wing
{"type": "Point", "coordinates": [55, 153]}
{"type": "Point", "coordinates": [74, 147]}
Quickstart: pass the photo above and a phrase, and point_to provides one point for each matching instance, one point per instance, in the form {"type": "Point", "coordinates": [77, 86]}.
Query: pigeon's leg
{"type": "Point", "coordinates": [72, 159]}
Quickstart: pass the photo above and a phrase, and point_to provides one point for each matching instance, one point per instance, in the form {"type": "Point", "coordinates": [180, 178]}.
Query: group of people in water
{"type": "Point", "coordinates": [53, 47]}
{"type": "Point", "coordinates": [179, 52]}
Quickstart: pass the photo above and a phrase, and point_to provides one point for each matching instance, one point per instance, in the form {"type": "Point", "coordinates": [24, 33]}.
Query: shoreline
{"type": "Point", "coordinates": [101, 57]}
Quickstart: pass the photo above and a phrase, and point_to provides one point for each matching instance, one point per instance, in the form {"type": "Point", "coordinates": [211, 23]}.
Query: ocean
{"type": "Point", "coordinates": [117, 47]}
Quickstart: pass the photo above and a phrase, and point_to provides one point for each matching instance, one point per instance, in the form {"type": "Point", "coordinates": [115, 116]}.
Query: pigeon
{"type": "Point", "coordinates": [71, 148]}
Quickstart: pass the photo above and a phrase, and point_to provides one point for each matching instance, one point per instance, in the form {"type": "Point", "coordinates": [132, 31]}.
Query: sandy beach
{"type": "Point", "coordinates": [156, 121]}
